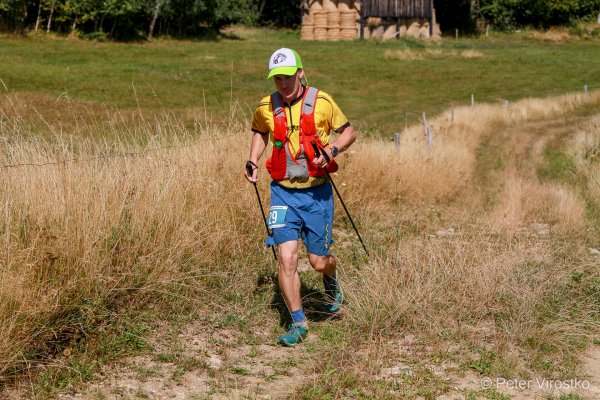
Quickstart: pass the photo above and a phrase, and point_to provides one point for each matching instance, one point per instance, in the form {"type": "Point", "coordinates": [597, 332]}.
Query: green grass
{"type": "Point", "coordinates": [377, 93]}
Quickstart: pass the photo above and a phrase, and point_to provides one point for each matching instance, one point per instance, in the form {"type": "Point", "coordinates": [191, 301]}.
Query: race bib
{"type": "Point", "coordinates": [276, 217]}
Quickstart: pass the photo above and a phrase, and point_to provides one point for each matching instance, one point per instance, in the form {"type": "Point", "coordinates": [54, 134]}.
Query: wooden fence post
{"type": "Point", "coordinates": [429, 138]}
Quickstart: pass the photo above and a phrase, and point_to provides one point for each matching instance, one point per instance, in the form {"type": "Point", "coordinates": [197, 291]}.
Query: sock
{"type": "Point", "coordinates": [298, 317]}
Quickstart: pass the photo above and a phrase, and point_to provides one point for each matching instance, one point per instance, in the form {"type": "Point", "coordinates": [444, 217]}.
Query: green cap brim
{"type": "Point", "coordinates": [289, 71]}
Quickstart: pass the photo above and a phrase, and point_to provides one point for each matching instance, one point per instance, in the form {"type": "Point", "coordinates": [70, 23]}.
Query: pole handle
{"type": "Point", "coordinates": [318, 152]}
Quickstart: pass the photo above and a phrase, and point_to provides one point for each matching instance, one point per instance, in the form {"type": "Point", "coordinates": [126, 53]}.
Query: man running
{"type": "Point", "coordinates": [296, 118]}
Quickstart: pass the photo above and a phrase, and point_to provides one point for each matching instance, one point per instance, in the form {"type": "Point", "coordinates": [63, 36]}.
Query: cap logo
{"type": "Point", "coordinates": [279, 58]}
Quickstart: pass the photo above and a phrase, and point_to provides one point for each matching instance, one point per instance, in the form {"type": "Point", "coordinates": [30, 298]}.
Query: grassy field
{"type": "Point", "coordinates": [131, 248]}
{"type": "Point", "coordinates": [377, 83]}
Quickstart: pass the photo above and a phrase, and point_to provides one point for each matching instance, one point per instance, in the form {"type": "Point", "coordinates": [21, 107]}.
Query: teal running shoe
{"type": "Point", "coordinates": [293, 336]}
{"type": "Point", "coordinates": [334, 296]}
{"type": "Point", "coordinates": [335, 301]}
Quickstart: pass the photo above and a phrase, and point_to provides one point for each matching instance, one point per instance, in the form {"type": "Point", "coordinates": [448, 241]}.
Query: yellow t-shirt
{"type": "Point", "coordinates": [328, 117]}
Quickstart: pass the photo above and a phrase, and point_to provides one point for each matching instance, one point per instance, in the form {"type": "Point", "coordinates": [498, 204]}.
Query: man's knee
{"type": "Point", "coordinates": [288, 260]}
{"type": "Point", "coordinates": [320, 263]}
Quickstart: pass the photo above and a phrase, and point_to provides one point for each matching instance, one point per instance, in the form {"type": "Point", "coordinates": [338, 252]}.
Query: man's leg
{"type": "Point", "coordinates": [289, 283]}
{"type": "Point", "coordinates": [326, 265]}
{"type": "Point", "coordinates": [289, 280]}
{"type": "Point", "coordinates": [322, 264]}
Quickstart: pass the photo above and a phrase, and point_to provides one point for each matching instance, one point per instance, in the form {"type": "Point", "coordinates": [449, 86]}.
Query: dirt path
{"type": "Point", "coordinates": [195, 364]}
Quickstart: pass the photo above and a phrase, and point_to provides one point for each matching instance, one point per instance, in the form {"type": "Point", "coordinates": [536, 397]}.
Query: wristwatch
{"type": "Point", "coordinates": [334, 151]}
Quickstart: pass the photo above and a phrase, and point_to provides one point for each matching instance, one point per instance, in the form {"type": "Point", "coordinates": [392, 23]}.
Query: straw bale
{"type": "Point", "coordinates": [402, 31]}
{"type": "Point", "coordinates": [413, 30]}
{"type": "Point", "coordinates": [390, 32]}
{"type": "Point", "coordinates": [315, 6]}
{"type": "Point", "coordinates": [373, 21]}
{"type": "Point", "coordinates": [320, 19]}
{"type": "Point", "coordinates": [366, 32]}
{"type": "Point", "coordinates": [348, 33]}
{"type": "Point", "coordinates": [344, 5]}
{"type": "Point", "coordinates": [333, 33]}
{"type": "Point", "coordinates": [329, 5]}
{"type": "Point", "coordinates": [348, 19]}
{"type": "Point", "coordinates": [424, 30]}
{"type": "Point", "coordinates": [377, 32]}
{"type": "Point", "coordinates": [333, 17]}
{"type": "Point", "coordinates": [320, 33]}
{"type": "Point", "coordinates": [307, 32]}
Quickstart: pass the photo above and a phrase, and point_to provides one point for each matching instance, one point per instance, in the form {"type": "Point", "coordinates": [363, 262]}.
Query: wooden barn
{"type": "Point", "coordinates": [368, 19]}
{"type": "Point", "coordinates": [399, 11]}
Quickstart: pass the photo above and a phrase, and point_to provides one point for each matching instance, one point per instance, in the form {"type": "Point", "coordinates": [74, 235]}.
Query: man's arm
{"type": "Point", "coordinates": [345, 139]}
{"type": "Point", "coordinates": [342, 142]}
{"type": "Point", "coordinates": [257, 148]}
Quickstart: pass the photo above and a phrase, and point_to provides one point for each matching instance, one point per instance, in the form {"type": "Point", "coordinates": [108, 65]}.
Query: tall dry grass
{"type": "Point", "coordinates": [586, 150]}
{"type": "Point", "coordinates": [101, 207]}
{"type": "Point", "coordinates": [119, 208]}
{"type": "Point", "coordinates": [496, 281]}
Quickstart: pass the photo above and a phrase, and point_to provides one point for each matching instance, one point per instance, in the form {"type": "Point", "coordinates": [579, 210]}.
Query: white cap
{"type": "Point", "coordinates": [284, 62]}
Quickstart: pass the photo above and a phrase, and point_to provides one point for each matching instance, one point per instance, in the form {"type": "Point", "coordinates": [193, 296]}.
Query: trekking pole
{"type": "Point", "coordinates": [249, 166]}
{"type": "Point", "coordinates": [318, 153]}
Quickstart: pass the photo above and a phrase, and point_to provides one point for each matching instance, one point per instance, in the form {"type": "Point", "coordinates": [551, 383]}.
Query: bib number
{"type": "Point", "coordinates": [276, 218]}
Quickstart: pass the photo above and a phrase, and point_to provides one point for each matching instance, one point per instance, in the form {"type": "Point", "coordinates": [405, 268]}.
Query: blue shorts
{"type": "Point", "coordinates": [306, 213]}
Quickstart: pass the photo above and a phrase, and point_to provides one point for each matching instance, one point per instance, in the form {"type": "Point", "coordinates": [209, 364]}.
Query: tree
{"type": "Point", "coordinates": [510, 14]}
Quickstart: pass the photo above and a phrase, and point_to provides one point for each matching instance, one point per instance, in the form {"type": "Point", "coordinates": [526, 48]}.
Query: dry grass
{"type": "Point", "coordinates": [150, 212]}
{"type": "Point", "coordinates": [495, 282]}
{"type": "Point", "coordinates": [412, 54]}
{"type": "Point", "coordinates": [160, 207]}
{"type": "Point", "coordinates": [555, 35]}
{"type": "Point", "coordinates": [586, 150]}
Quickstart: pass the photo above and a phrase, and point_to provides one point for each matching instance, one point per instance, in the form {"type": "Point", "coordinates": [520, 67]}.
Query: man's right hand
{"type": "Point", "coordinates": [251, 171]}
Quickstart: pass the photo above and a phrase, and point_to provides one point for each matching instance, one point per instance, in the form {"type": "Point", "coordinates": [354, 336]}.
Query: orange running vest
{"type": "Point", "coordinates": [282, 165]}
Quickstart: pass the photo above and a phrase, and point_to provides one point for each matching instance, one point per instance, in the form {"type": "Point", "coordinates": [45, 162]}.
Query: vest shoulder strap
{"type": "Point", "coordinates": [310, 99]}
{"type": "Point", "coordinates": [277, 103]}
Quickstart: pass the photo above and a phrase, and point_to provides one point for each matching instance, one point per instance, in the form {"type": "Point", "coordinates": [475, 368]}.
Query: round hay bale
{"type": "Point", "coordinates": [348, 33]}
{"type": "Point", "coordinates": [307, 32]}
{"type": "Point", "coordinates": [333, 33]}
{"type": "Point", "coordinates": [320, 33]}
{"type": "Point", "coordinates": [329, 5]}
{"type": "Point", "coordinates": [348, 19]}
{"type": "Point", "coordinates": [402, 31]}
{"type": "Point", "coordinates": [307, 19]}
{"type": "Point", "coordinates": [366, 32]}
{"type": "Point", "coordinates": [390, 32]}
{"type": "Point", "coordinates": [413, 30]}
{"type": "Point", "coordinates": [377, 32]}
{"type": "Point", "coordinates": [344, 5]}
{"type": "Point", "coordinates": [333, 18]}
{"type": "Point", "coordinates": [373, 22]}
{"type": "Point", "coordinates": [320, 19]}
{"type": "Point", "coordinates": [424, 30]}
{"type": "Point", "coordinates": [315, 6]}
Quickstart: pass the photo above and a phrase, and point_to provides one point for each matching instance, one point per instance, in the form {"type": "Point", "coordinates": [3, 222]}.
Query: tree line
{"type": "Point", "coordinates": [135, 19]}
{"type": "Point", "coordinates": [507, 15]}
